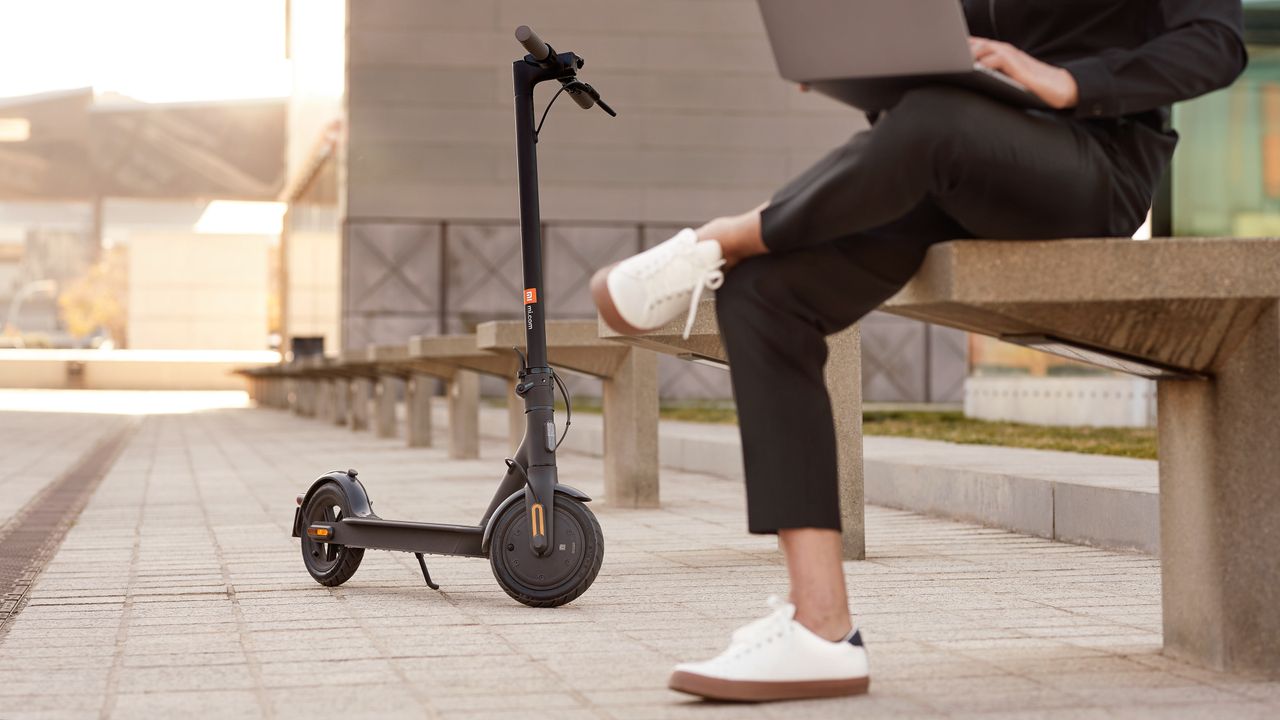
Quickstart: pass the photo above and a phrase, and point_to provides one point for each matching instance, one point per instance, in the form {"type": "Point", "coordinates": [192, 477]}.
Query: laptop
{"type": "Point", "coordinates": [867, 53]}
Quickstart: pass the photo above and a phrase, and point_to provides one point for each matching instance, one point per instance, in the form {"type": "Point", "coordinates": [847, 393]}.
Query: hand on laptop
{"type": "Point", "coordinates": [1052, 84]}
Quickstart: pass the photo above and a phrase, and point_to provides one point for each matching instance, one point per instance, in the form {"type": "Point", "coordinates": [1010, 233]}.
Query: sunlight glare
{"type": "Point", "coordinates": [150, 50]}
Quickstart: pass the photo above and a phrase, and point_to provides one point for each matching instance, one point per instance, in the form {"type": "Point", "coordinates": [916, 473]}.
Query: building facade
{"type": "Point", "coordinates": [415, 161]}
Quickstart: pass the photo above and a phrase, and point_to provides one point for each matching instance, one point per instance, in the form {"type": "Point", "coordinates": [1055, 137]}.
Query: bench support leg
{"type": "Point", "coordinates": [341, 401]}
{"type": "Point", "coordinates": [324, 399]}
{"type": "Point", "coordinates": [464, 416]}
{"type": "Point", "coordinates": [631, 432]}
{"type": "Point", "coordinates": [515, 418]}
{"type": "Point", "coordinates": [307, 392]}
{"type": "Point", "coordinates": [844, 385]}
{"type": "Point", "coordinates": [388, 389]}
{"type": "Point", "coordinates": [418, 406]}
{"type": "Point", "coordinates": [310, 392]}
{"type": "Point", "coordinates": [361, 389]}
{"type": "Point", "coordinates": [1220, 509]}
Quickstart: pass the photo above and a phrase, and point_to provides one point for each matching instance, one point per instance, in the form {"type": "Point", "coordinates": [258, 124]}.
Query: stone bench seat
{"type": "Point", "coordinates": [1184, 304]}
{"type": "Point", "coordinates": [394, 368]}
{"type": "Point", "coordinates": [287, 385]}
{"type": "Point", "coordinates": [629, 382]}
{"type": "Point", "coordinates": [1203, 316]}
{"type": "Point", "coordinates": [629, 399]}
{"type": "Point", "coordinates": [265, 385]}
{"type": "Point", "coordinates": [313, 388]}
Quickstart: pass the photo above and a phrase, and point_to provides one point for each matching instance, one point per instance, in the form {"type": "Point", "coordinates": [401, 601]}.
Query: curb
{"type": "Point", "coordinates": [1096, 500]}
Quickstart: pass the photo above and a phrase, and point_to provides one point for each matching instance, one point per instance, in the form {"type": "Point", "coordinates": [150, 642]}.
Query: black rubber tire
{"type": "Point", "coordinates": [330, 564]}
{"type": "Point", "coordinates": [510, 545]}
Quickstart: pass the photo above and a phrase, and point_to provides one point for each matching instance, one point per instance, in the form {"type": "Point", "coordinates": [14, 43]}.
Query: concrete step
{"type": "Point", "coordinates": [1097, 500]}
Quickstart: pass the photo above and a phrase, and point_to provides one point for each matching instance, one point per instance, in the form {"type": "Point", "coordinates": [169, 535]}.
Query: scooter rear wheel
{"type": "Point", "coordinates": [560, 576]}
{"type": "Point", "coordinates": [329, 563]}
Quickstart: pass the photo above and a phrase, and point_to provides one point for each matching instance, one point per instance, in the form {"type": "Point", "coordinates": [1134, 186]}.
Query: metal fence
{"type": "Point", "coordinates": [404, 278]}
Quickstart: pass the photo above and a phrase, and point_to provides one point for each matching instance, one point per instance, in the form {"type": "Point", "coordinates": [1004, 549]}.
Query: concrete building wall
{"type": "Point", "coordinates": [316, 51]}
{"type": "Point", "coordinates": [428, 174]}
{"type": "Point", "coordinates": [198, 292]}
{"type": "Point", "coordinates": [311, 240]}
{"type": "Point", "coordinates": [314, 285]}
{"type": "Point", "coordinates": [705, 125]}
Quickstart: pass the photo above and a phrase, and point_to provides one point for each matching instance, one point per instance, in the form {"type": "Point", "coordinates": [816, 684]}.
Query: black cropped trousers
{"type": "Point", "coordinates": [845, 235]}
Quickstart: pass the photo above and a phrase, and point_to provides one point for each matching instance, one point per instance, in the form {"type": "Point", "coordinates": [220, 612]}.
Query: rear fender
{"type": "Point", "coordinates": [357, 498]}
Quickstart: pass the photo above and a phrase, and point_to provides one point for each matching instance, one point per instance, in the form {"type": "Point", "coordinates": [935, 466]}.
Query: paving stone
{"type": "Point", "coordinates": [180, 592]}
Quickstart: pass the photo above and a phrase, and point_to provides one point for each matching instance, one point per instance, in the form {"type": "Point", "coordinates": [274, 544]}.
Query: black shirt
{"type": "Point", "coordinates": [1131, 60]}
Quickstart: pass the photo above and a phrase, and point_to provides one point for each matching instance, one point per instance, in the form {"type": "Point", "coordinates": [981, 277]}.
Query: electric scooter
{"type": "Point", "coordinates": [544, 545]}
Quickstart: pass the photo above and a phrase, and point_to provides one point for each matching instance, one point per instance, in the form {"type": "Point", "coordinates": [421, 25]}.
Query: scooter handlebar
{"type": "Point", "coordinates": [531, 42]}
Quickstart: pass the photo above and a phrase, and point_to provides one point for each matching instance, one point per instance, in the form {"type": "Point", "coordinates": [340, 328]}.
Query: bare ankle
{"type": "Point", "coordinates": [833, 627]}
{"type": "Point", "coordinates": [739, 237]}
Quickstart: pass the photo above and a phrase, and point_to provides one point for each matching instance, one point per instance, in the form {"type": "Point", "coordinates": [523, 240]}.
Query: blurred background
{"type": "Point", "coordinates": [187, 187]}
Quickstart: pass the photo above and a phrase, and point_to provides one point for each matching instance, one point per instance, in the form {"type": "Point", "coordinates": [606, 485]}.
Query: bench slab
{"type": "Point", "coordinates": [1186, 303]}
{"type": "Point", "coordinates": [1210, 306]}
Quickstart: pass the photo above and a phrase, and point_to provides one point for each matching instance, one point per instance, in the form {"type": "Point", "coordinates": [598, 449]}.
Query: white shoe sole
{"type": "Point", "coordinates": [764, 691]}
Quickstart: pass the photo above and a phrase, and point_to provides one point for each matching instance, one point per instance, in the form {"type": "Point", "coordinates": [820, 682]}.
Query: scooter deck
{"type": "Point", "coordinates": [414, 537]}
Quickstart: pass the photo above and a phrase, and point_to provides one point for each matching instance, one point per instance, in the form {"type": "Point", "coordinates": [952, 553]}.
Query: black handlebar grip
{"type": "Point", "coordinates": [531, 42]}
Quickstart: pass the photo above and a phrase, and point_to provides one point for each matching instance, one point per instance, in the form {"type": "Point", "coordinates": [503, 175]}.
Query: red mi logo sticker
{"type": "Point", "coordinates": [530, 296]}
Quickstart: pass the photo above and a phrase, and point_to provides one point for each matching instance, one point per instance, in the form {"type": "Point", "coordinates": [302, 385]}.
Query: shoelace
{"type": "Point", "coordinates": [710, 280]}
{"type": "Point", "coordinates": [766, 626]}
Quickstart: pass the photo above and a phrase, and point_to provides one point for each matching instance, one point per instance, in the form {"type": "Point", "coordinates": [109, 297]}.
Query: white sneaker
{"type": "Point", "coordinates": [777, 658]}
{"type": "Point", "coordinates": [649, 290]}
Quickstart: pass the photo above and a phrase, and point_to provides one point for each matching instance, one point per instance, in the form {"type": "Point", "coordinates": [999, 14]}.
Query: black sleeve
{"type": "Point", "coordinates": [1202, 51]}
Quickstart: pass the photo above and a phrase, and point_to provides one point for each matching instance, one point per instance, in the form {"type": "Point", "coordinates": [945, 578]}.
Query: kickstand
{"type": "Point", "coordinates": [425, 574]}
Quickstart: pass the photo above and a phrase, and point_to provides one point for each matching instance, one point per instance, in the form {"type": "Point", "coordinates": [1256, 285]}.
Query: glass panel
{"type": "Point", "coordinates": [1226, 175]}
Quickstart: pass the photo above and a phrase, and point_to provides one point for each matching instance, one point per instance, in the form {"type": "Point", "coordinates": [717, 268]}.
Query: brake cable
{"type": "Point", "coordinates": [568, 406]}
{"type": "Point", "coordinates": [538, 130]}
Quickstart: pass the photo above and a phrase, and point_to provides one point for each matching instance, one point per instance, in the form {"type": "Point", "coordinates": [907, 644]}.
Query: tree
{"type": "Point", "coordinates": [98, 300]}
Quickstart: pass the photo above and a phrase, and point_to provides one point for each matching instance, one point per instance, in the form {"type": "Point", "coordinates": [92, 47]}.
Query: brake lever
{"type": "Point", "coordinates": [591, 92]}
{"type": "Point", "coordinates": [605, 106]}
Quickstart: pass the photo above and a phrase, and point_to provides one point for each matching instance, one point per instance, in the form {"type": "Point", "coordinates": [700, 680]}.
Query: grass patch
{"type": "Point", "coordinates": [955, 427]}
{"type": "Point", "coordinates": [949, 426]}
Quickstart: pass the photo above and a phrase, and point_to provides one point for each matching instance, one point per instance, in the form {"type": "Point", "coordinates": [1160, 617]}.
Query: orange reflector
{"type": "Point", "coordinates": [538, 519]}
{"type": "Point", "coordinates": [318, 531]}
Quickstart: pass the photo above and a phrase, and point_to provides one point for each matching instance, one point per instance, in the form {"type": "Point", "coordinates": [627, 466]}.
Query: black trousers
{"type": "Point", "coordinates": [848, 233]}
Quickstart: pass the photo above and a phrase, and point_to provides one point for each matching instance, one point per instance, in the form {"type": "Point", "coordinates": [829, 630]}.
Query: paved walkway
{"type": "Point", "coordinates": [180, 591]}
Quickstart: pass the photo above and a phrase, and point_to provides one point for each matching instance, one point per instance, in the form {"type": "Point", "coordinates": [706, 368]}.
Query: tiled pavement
{"type": "Point", "coordinates": [38, 447]}
{"type": "Point", "coordinates": [179, 591]}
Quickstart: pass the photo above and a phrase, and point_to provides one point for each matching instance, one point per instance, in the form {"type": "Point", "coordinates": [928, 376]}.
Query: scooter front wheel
{"type": "Point", "coordinates": [329, 563]}
{"type": "Point", "coordinates": [560, 576]}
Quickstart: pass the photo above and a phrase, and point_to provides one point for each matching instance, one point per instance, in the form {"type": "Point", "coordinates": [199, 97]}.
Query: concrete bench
{"type": "Point", "coordinates": [1202, 316]}
{"type": "Point", "coordinates": [629, 402]}
{"type": "Point", "coordinates": [460, 354]}
{"type": "Point", "coordinates": [629, 380]}
{"type": "Point", "coordinates": [286, 386]}
{"type": "Point", "coordinates": [340, 390]}
{"type": "Point", "coordinates": [319, 388]}
{"type": "Point", "coordinates": [265, 385]}
{"type": "Point", "coordinates": [350, 378]}
{"type": "Point", "coordinates": [396, 370]}
{"type": "Point", "coordinates": [844, 385]}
